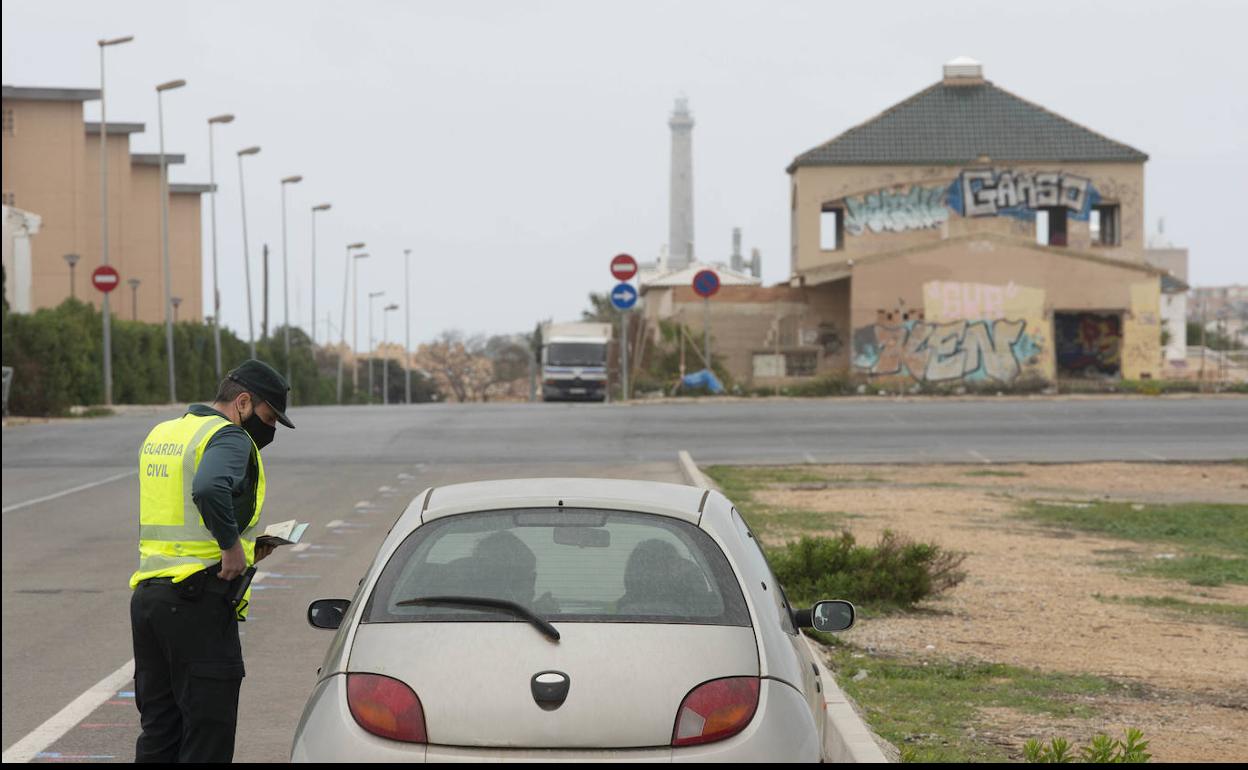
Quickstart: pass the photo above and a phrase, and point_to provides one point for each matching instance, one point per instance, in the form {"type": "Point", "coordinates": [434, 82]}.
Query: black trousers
{"type": "Point", "coordinates": [188, 667]}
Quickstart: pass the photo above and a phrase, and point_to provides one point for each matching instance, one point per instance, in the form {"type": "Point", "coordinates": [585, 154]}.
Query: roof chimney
{"type": "Point", "coordinates": [963, 71]}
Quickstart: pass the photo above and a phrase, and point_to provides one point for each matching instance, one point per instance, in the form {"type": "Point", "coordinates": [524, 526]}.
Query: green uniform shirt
{"type": "Point", "coordinates": [224, 489]}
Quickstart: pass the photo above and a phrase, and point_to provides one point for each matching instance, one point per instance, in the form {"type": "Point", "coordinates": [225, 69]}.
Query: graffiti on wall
{"type": "Point", "coordinates": [1088, 344]}
{"type": "Point", "coordinates": [973, 193]}
{"type": "Point", "coordinates": [952, 300]}
{"type": "Point", "coordinates": [896, 210]}
{"type": "Point", "coordinates": [938, 352]}
{"type": "Point", "coordinates": [990, 193]}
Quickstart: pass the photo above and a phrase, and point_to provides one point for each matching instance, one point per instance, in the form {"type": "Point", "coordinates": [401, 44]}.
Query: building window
{"type": "Point", "coordinates": [1103, 224]}
{"type": "Point", "coordinates": [800, 364]}
{"type": "Point", "coordinates": [8, 121]}
{"type": "Point", "coordinates": [1051, 226]}
{"type": "Point", "coordinates": [831, 227]}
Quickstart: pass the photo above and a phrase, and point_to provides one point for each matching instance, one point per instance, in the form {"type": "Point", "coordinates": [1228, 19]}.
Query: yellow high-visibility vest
{"type": "Point", "coordinates": [173, 540]}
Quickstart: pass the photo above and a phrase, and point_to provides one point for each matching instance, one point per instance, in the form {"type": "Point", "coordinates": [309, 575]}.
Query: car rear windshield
{"type": "Point", "coordinates": [563, 564]}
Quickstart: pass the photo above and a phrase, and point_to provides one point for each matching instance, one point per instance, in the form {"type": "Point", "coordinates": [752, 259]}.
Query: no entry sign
{"type": "Point", "coordinates": [105, 278]}
{"type": "Point", "coordinates": [623, 267]}
{"type": "Point", "coordinates": [706, 283]}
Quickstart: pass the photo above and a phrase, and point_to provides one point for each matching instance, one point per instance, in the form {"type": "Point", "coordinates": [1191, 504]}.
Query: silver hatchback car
{"type": "Point", "coordinates": [567, 619]}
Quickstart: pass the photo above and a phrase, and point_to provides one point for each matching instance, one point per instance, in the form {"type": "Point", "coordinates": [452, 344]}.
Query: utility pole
{"type": "Point", "coordinates": [264, 318]}
{"type": "Point", "coordinates": [407, 325]}
{"type": "Point", "coordinates": [105, 310]}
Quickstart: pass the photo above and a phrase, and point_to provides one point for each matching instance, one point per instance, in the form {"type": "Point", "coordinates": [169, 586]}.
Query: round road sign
{"type": "Point", "coordinates": [623, 296]}
{"type": "Point", "coordinates": [706, 283]}
{"type": "Point", "coordinates": [623, 267]}
{"type": "Point", "coordinates": [105, 278]}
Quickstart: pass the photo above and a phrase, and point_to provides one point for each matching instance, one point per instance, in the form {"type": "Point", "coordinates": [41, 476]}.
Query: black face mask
{"type": "Point", "coordinates": [261, 432]}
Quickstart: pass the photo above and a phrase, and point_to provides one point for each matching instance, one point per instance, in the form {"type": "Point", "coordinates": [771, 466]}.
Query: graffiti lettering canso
{"type": "Point", "coordinates": [896, 210]}
{"type": "Point", "coordinates": [978, 193]}
{"type": "Point", "coordinates": [959, 350]}
{"type": "Point", "coordinates": [989, 193]}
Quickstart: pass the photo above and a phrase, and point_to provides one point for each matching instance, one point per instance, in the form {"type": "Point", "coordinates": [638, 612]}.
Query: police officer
{"type": "Point", "coordinates": [201, 489]}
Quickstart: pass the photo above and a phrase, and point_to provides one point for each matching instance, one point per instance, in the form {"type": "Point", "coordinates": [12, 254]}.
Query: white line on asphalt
{"type": "Point", "coordinates": [69, 491]}
{"type": "Point", "coordinates": [78, 709]}
{"type": "Point", "coordinates": [809, 458]}
{"type": "Point", "coordinates": [978, 456]}
{"type": "Point", "coordinates": [64, 720]}
{"type": "Point", "coordinates": [297, 547]}
{"type": "Point", "coordinates": [1153, 455]}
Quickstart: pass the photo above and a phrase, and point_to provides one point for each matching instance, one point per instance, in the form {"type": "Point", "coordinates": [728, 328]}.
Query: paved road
{"type": "Point", "coordinates": [350, 471]}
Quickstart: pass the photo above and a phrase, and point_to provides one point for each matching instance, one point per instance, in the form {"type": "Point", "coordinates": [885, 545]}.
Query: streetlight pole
{"type": "Point", "coordinates": [285, 284]}
{"type": "Point", "coordinates": [134, 298]}
{"type": "Point", "coordinates": [251, 327]}
{"type": "Point", "coordinates": [346, 285]}
{"type": "Point", "coordinates": [72, 260]}
{"type": "Point", "coordinates": [164, 232]}
{"type": "Point", "coordinates": [355, 319]}
{"type": "Point", "coordinates": [107, 316]}
{"type": "Point", "coordinates": [385, 360]}
{"type": "Point", "coordinates": [372, 295]}
{"type": "Point", "coordinates": [407, 325]}
{"type": "Point", "coordinates": [216, 294]}
{"type": "Point", "coordinates": [315, 209]}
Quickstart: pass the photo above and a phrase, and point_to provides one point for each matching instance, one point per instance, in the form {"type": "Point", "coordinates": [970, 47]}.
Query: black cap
{"type": "Point", "coordinates": [264, 381]}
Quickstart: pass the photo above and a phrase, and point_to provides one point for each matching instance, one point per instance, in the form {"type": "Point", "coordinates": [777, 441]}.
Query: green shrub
{"type": "Point", "coordinates": [1100, 750]}
{"type": "Point", "coordinates": [896, 572]}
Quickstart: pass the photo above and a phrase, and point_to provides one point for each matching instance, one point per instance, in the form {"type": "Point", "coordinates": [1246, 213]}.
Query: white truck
{"type": "Point", "coordinates": [574, 361]}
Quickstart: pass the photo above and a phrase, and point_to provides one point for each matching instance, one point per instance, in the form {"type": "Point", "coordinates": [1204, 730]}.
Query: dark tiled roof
{"type": "Point", "coordinates": [960, 123]}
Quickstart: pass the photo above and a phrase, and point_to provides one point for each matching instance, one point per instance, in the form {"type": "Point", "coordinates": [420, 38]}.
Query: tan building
{"type": "Point", "coordinates": [963, 236]}
{"type": "Point", "coordinates": [51, 169]}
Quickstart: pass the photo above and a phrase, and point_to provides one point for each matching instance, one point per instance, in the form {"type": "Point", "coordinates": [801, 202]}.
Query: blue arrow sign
{"type": "Point", "coordinates": [623, 296]}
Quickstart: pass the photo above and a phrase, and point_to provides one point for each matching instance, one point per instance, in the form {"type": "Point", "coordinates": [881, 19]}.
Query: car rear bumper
{"type": "Point", "coordinates": [783, 730]}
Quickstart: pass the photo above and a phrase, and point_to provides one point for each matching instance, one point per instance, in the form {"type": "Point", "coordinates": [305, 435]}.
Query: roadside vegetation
{"type": "Point", "coordinates": [934, 710]}
{"type": "Point", "coordinates": [1209, 541]}
{"type": "Point", "coordinates": [940, 709]}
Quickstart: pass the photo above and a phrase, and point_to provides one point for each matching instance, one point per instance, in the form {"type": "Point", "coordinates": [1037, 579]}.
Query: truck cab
{"type": "Point", "coordinates": [574, 361]}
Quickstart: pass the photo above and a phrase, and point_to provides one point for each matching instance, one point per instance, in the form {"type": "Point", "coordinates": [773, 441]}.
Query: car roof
{"type": "Point", "coordinates": [675, 500]}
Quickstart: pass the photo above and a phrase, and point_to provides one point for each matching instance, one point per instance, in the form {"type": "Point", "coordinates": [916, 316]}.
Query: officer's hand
{"type": "Point", "coordinates": [263, 551]}
{"type": "Point", "coordinates": [233, 561]}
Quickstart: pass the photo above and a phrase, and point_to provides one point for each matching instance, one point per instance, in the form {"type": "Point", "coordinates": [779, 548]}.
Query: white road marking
{"type": "Point", "coordinates": [78, 709]}
{"type": "Point", "coordinates": [1153, 455]}
{"type": "Point", "coordinates": [297, 547]}
{"type": "Point", "coordinates": [335, 523]}
{"type": "Point", "coordinates": [978, 456]}
{"type": "Point", "coordinates": [69, 491]}
{"type": "Point", "coordinates": [67, 718]}
{"type": "Point", "coordinates": [809, 458]}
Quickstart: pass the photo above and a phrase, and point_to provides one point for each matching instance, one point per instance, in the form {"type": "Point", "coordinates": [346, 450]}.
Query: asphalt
{"type": "Point", "coordinates": [351, 471]}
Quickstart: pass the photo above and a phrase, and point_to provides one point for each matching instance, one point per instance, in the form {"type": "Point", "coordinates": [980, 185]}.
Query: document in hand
{"type": "Point", "coordinates": [282, 533]}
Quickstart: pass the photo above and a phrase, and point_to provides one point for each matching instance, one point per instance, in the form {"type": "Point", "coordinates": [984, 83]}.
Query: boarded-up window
{"type": "Point", "coordinates": [800, 364]}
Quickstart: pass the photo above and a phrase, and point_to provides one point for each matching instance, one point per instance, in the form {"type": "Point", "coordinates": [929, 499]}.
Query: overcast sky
{"type": "Point", "coordinates": [516, 146]}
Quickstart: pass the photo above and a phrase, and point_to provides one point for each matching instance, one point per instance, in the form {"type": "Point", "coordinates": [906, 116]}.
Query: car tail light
{"type": "Point", "coordinates": [386, 707]}
{"type": "Point", "coordinates": [716, 710]}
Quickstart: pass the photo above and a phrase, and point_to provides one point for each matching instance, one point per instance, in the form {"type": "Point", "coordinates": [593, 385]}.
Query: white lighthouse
{"type": "Point", "coordinates": [680, 213]}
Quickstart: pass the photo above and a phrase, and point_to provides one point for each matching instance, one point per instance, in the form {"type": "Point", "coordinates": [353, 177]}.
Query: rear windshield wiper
{"type": "Point", "coordinates": [480, 602]}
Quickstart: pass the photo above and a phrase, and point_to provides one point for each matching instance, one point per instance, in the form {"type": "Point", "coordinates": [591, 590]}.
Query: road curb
{"type": "Point", "coordinates": [847, 738]}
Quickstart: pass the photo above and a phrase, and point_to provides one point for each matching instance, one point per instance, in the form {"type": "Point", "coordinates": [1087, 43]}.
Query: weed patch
{"type": "Point", "coordinates": [1235, 615]}
{"type": "Point", "coordinates": [997, 474]}
{"type": "Point", "coordinates": [932, 709]}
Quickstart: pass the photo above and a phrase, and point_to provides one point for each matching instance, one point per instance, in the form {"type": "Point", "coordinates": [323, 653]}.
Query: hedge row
{"type": "Point", "coordinates": [57, 358]}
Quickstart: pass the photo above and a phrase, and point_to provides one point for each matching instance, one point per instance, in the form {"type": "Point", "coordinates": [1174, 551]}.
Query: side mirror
{"type": "Point", "coordinates": [828, 616]}
{"type": "Point", "coordinates": [327, 613]}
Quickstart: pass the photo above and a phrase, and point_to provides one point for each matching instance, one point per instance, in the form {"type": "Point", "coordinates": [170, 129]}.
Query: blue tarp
{"type": "Point", "coordinates": [703, 379]}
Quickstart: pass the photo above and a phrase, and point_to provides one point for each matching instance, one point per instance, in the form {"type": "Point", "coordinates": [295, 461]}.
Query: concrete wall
{"type": "Point", "coordinates": [903, 206]}
{"type": "Point", "coordinates": [750, 320]}
{"type": "Point", "coordinates": [981, 309]}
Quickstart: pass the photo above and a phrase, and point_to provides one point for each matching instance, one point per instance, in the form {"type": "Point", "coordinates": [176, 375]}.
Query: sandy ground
{"type": "Point", "coordinates": [1030, 595]}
